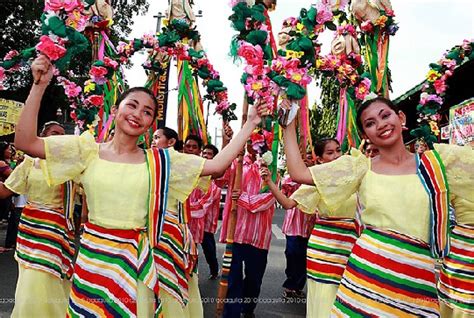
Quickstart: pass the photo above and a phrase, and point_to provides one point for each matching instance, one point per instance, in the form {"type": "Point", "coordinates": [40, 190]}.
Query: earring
{"type": "Point", "coordinates": [404, 127]}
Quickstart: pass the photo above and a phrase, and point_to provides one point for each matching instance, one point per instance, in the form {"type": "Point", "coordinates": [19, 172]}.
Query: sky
{"type": "Point", "coordinates": [427, 29]}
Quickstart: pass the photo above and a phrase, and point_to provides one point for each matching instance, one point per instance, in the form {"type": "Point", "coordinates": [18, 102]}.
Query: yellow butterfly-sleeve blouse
{"type": "Point", "coordinates": [116, 192]}
{"type": "Point", "coordinates": [27, 178]}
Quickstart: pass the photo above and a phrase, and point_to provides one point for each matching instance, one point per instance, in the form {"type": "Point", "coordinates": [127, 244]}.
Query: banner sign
{"type": "Point", "coordinates": [461, 122]}
{"type": "Point", "coordinates": [9, 114]}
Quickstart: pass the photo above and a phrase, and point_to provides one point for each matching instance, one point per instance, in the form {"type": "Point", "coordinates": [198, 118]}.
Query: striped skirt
{"type": "Point", "coordinates": [108, 267]}
{"type": "Point", "coordinates": [44, 242]}
{"type": "Point", "coordinates": [388, 275]}
{"type": "Point", "coordinates": [329, 247]}
{"type": "Point", "coordinates": [176, 258]}
{"type": "Point", "coordinates": [456, 282]}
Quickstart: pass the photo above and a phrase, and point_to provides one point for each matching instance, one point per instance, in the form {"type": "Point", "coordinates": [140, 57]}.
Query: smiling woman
{"type": "Point", "coordinates": [403, 231]}
{"type": "Point", "coordinates": [127, 190]}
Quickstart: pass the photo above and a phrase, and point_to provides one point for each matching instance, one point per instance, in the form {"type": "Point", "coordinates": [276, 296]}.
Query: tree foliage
{"type": "Point", "coordinates": [323, 118]}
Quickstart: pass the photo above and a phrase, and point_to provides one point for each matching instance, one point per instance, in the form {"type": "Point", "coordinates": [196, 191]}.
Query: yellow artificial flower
{"type": "Point", "coordinates": [256, 86]}
{"type": "Point", "coordinates": [434, 127]}
{"type": "Point", "coordinates": [90, 86]}
{"type": "Point", "coordinates": [299, 27]}
{"type": "Point", "coordinates": [293, 54]}
{"type": "Point", "coordinates": [296, 77]}
{"type": "Point", "coordinates": [319, 62]}
{"type": "Point", "coordinates": [381, 21]}
{"type": "Point", "coordinates": [433, 76]}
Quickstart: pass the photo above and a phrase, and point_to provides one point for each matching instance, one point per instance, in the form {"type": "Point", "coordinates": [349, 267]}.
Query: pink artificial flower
{"type": "Point", "coordinates": [324, 13]}
{"type": "Point", "coordinates": [425, 98]}
{"type": "Point", "coordinates": [97, 74]}
{"type": "Point", "coordinates": [149, 40]}
{"type": "Point", "coordinates": [290, 22]}
{"type": "Point", "coordinates": [253, 55]}
{"type": "Point", "coordinates": [52, 50]}
{"type": "Point", "coordinates": [95, 100]}
{"type": "Point", "coordinates": [53, 5]}
{"type": "Point", "coordinates": [223, 105]}
{"type": "Point", "coordinates": [10, 55]}
{"type": "Point", "coordinates": [71, 5]}
{"type": "Point", "coordinates": [110, 62]}
{"type": "Point", "coordinates": [2, 79]}
{"type": "Point", "coordinates": [440, 86]}
{"type": "Point", "coordinates": [336, 5]}
{"type": "Point", "coordinates": [363, 89]}
{"type": "Point", "coordinates": [57, 5]}
{"type": "Point", "coordinates": [268, 135]}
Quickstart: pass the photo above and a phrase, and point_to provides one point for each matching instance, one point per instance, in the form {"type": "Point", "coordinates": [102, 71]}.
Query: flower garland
{"type": "Point", "coordinates": [434, 90]}
{"type": "Point", "coordinates": [61, 40]}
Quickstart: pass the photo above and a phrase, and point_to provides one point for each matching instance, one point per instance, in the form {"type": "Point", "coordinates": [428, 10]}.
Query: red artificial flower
{"type": "Point", "coordinates": [52, 50]}
{"type": "Point", "coordinates": [96, 100]}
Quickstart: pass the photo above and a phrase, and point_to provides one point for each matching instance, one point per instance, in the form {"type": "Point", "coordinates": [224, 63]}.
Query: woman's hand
{"type": "Point", "coordinates": [42, 70]}
{"type": "Point", "coordinates": [236, 194]}
{"type": "Point", "coordinates": [265, 174]}
{"type": "Point", "coordinates": [228, 132]}
{"type": "Point", "coordinates": [259, 110]}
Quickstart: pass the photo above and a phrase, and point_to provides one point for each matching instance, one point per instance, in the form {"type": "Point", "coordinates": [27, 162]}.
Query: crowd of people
{"type": "Point", "coordinates": [363, 230]}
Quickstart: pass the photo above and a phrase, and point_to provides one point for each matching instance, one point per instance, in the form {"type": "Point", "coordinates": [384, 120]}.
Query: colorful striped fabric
{"type": "Point", "coordinates": [329, 247]}
{"type": "Point", "coordinates": [173, 258]}
{"type": "Point", "coordinates": [456, 282]}
{"type": "Point", "coordinates": [108, 267]}
{"type": "Point", "coordinates": [44, 241]}
{"type": "Point", "coordinates": [159, 171]}
{"type": "Point", "coordinates": [433, 177]}
{"type": "Point", "coordinates": [388, 275]}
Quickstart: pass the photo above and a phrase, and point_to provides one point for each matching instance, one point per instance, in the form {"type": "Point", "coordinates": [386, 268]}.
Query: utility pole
{"type": "Point", "coordinates": [159, 17]}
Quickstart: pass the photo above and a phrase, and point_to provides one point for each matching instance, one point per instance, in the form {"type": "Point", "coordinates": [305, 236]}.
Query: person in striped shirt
{"type": "Point", "coordinates": [297, 228]}
{"type": "Point", "coordinates": [252, 237]}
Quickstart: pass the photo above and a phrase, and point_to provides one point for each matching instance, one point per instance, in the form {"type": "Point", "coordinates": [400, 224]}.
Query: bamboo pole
{"type": "Point", "coordinates": [223, 284]}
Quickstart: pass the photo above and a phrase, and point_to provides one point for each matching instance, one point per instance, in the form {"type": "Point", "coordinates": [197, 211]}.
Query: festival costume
{"type": "Point", "coordinates": [115, 271]}
{"type": "Point", "coordinates": [391, 268]}
{"type": "Point", "coordinates": [253, 232]}
{"type": "Point", "coordinates": [329, 247]}
{"type": "Point", "coordinates": [456, 283]}
{"type": "Point", "coordinates": [177, 268]}
{"type": "Point", "coordinates": [45, 245]}
{"type": "Point", "coordinates": [297, 229]}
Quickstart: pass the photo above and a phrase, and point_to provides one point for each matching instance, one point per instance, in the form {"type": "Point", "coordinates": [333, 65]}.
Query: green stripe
{"type": "Point", "coordinates": [177, 268]}
{"type": "Point", "coordinates": [46, 241]}
{"type": "Point", "coordinates": [347, 311]}
{"type": "Point", "coordinates": [391, 277]}
{"type": "Point", "coordinates": [110, 260]}
{"type": "Point", "coordinates": [398, 243]}
{"type": "Point", "coordinates": [100, 294]}
{"type": "Point", "coordinates": [462, 238]}
{"type": "Point", "coordinates": [39, 222]}
{"type": "Point", "coordinates": [461, 258]}
{"type": "Point", "coordinates": [40, 261]}
{"type": "Point", "coordinates": [336, 229]}
{"type": "Point", "coordinates": [456, 303]}
{"type": "Point", "coordinates": [329, 249]}
{"type": "Point", "coordinates": [146, 270]}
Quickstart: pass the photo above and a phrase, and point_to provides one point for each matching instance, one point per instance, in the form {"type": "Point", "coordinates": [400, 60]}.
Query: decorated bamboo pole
{"type": "Point", "coordinates": [223, 284]}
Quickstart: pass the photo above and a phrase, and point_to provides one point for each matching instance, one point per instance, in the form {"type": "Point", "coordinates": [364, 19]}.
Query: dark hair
{"type": "Point", "coordinates": [320, 145]}
{"type": "Point", "coordinates": [169, 133]}
{"type": "Point", "coordinates": [196, 138]}
{"type": "Point", "coordinates": [3, 146]}
{"type": "Point", "coordinates": [213, 148]}
{"type": "Point", "coordinates": [139, 89]}
{"type": "Point", "coordinates": [178, 146]}
{"type": "Point", "coordinates": [49, 124]}
{"type": "Point", "coordinates": [369, 102]}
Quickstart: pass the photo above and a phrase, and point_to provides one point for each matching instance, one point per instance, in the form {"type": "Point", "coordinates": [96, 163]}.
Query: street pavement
{"type": "Point", "coordinates": [271, 304]}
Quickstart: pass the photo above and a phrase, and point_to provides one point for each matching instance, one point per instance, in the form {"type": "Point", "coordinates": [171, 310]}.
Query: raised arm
{"type": "Point", "coordinates": [285, 202]}
{"type": "Point", "coordinates": [296, 168]}
{"type": "Point", "coordinates": [224, 158]}
{"type": "Point", "coordinates": [26, 138]}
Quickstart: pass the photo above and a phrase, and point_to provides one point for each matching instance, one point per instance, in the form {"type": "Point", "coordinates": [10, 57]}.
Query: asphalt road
{"type": "Point", "coordinates": [271, 304]}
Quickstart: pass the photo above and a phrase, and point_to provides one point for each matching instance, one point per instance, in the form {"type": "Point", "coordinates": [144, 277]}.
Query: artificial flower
{"type": "Point", "coordinates": [52, 50]}
{"type": "Point", "coordinates": [95, 100]}
{"type": "Point", "coordinates": [267, 158]}
{"type": "Point", "coordinates": [381, 21]}
{"type": "Point", "coordinates": [367, 26]}
{"type": "Point", "coordinates": [110, 62]}
{"type": "Point", "coordinates": [433, 76]}
{"type": "Point", "coordinates": [11, 54]}
{"type": "Point", "coordinates": [253, 55]}
{"type": "Point", "coordinates": [89, 86]}
{"type": "Point", "coordinates": [324, 13]}
{"type": "Point", "coordinates": [97, 74]}
{"type": "Point", "coordinates": [440, 86]}
{"type": "Point", "coordinates": [363, 89]}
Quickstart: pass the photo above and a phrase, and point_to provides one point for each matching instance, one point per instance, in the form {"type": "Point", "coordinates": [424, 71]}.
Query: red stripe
{"type": "Point", "coordinates": [462, 252]}
{"type": "Point", "coordinates": [438, 205]}
{"type": "Point", "coordinates": [334, 236]}
{"type": "Point", "coordinates": [325, 268]}
{"type": "Point", "coordinates": [42, 247]}
{"type": "Point", "coordinates": [108, 283]}
{"type": "Point", "coordinates": [128, 234]}
{"type": "Point", "coordinates": [386, 286]}
{"type": "Point", "coordinates": [47, 236]}
{"type": "Point", "coordinates": [392, 264]}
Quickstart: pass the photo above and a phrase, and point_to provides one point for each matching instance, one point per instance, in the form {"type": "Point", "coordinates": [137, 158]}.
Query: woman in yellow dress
{"type": "Point", "coordinates": [403, 202]}
{"type": "Point", "coordinates": [126, 189]}
{"type": "Point", "coordinates": [45, 241]}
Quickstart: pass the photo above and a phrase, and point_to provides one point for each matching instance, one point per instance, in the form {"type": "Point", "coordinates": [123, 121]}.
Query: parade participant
{"type": "Point", "coordinates": [391, 267]}
{"type": "Point", "coordinates": [370, 150]}
{"type": "Point", "coordinates": [253, 232]}
{"type": "Point", "coordinates": [331, 239]}
{"type": "Point", "coordinates": [5, 171]}
{"type": "Point", "coordinates": [297, 228]}
{"type": "Point", "coordinates": [115, 272]}
{"type": "Point", "coordinates": [211, 207]}
{"type": "Point", "coordinates": [164, 138]}
{"type": "Point", "coordinates": [45, 243]}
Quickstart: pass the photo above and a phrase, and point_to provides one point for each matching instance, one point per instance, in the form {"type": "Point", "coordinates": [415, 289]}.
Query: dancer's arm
{"type": "Point", "coordinates": [26, 138]}
{"type": "Point", "coordinates": [285, 202]}
{"type": "Point", "coordinates": [296, 168]}
{"type": "Point", "coordinates": [224, 158]}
